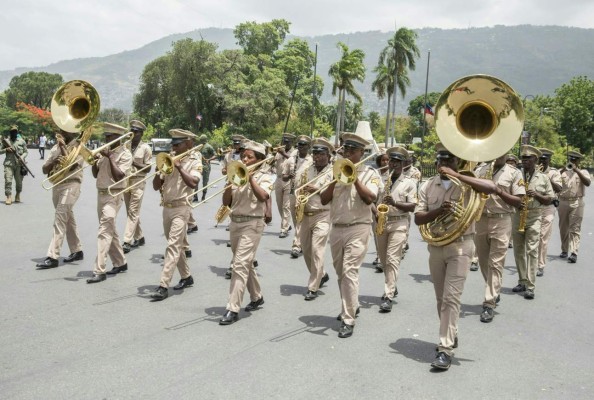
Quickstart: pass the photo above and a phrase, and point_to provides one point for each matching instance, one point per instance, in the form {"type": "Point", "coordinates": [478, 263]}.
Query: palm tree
{"type": "Point", "coordinates": [399, 56]}
{"type": "Point", "coordinates": [350, 67]}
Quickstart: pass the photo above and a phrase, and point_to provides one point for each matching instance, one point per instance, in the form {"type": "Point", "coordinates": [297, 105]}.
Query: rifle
{"type": "Point", "coordinates": [7, 145]}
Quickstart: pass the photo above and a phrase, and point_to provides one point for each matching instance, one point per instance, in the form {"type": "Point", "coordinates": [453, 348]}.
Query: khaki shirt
{"type": "Point", "coordinates": [508, 179]}
{"type": "Point", "coordinates": [347, 206]}
{"type": "Point", "coordinates": [55, 153]}
{"type": "Point", "coordinates": [302, 164]}
{"type": "Point", "coordinates": [244, 201]}
{"type": "Point", "coordinates": [572, 185]}
{"type": "Point", "coordinates": [540, 183]}
{"type": "Point", "coordinates": [279, 163]}
{"type": "Point", "coordinates": [433, 193]}
{"type": "Point", "coordinates": [414, 173]}
{"type": "Point", "coordinates": [402, 190]}
{"type": "Point", "coordinates": [123, 159]}
{"type": "Point", "coordinates": [315, 202]}
{"type": "Point", "coordinates": [174, 188]}
{"type": "Point", "coordinates": [231, 156]}
{"type": "Point", "coordinates": [142, 155]}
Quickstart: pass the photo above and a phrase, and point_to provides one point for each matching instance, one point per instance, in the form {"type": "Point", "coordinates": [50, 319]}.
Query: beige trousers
{"type": "Point", "coordinates": [491, 241]}
{"type": "Point", "coordinates": [296, 245]}
{"type": "Point", "coordinates": [133, 202]}
{"type": "Point", "coordinates": [108, 242]}
{"type": "Point", "coordinates": [571, 214]}
{"type": "Point", "coordinates": [546, 228]}
{"type": "Point", "coordinates": [314, 235]}
{"type": "Point", "coordinates": [64, 197]}
{"type": "Point", "coordinates": [245, 238]}
{"type": "Point", "coordinates": [390, 247]}
{"type": "Point", "coordinates": [175, 226]}
{"type": "Point", "coordinates": [449, 266]}
{"type": "Point", "coordinates": [526, 247]}
{"type": "Point", "coordinates": [283, 202]}
{"type": "Point", "coordinates": [349, 247]}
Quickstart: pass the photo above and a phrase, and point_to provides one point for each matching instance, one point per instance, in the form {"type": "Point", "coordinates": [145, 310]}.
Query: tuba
{"type": "Point", "coordinates": [477, 118]}
{"type": "Point", "coordinates": [74, 108]}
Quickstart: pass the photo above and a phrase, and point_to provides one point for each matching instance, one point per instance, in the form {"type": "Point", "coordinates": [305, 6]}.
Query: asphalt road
{"type": "Point", "coordinates": [63, 339]}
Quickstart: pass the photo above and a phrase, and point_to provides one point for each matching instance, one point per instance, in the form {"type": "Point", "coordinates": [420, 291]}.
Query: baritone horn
{"type": "Point", "coordinates": [477, 118]}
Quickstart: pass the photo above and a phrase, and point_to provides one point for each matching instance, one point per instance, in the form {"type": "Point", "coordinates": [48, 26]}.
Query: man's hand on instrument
{"type": "Point", "coordinates": [309, 188]}
{"type": "Point", "coordinates": [446, 171]}
{"type": "Point", "coordinates": [389, 200]}
{"type": "Point", "coordinates": [105, 153]}
{"type": "Point", "coordinates": [447, 206]}
{"type": "Point", "coordinates": [531, 193]}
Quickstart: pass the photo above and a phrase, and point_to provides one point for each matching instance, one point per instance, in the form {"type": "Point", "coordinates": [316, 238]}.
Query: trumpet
{"type": "Point", "coordinates": [165, 164]}
{"type": "Point", "coordinates": [237, 174]}
{"type": "Point", "coordinates": [89, 156]}
{"type": "Point", "coordinates": [569, 166]}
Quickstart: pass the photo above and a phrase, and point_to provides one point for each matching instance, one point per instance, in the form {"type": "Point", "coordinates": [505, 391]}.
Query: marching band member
{"type": "Point", "coordinates": [315, 225]}
{"type": "Point", "coordinates": [382, 162]}
{"type": "Point", "coordinates": [401, 198]}
{"type": "Point", "coordinates": [64, 196]}
{"type": "Point", "coordinates": [248, 205]}
{"type": "Point", "coordinates": [235, 154]}
{"type": "Point", "coordinates": [351, 218]}
{"type": "Point", "coordinates": [112, 167]}
{"type": "Point", "coordinates": [282, 188]}
{"type": "Point", "coordinates": [548, 212]}
{"type": "Point", "coordinates": [142, 155]}
{"type": "Point", "coordinates": [174, 188]}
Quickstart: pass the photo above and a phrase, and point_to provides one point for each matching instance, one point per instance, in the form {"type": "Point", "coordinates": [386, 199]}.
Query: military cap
{"type": "Point", "coordinates": [574, 154]}
{"type": "Point", "coordinates": [511, 157]}
{"type": "Point", "coordinates": [237, 139]}
{"type": "Point", "coordinates": [546, 153]}
{"type": "Point", "coordinates": [288, 137]}
{"type": "Point", "coordinates": [526, 151]}
{"type": "Point", "coordinates": [397, 153]}
{"type": "Point", "coordinates": [254, 146]}
{"type": "Point", "coordinates": [14, 128]}
{"type": "Point", "coordinates": [179, 135]}
{"type": "Point", "coordinates": [113, 129]}
{"type": "Point", "coordinates": [203, 138]}
{"type": "Point", "coordinates": [303, 140]}
{"type": "Point", "coordinates": [322, 144]}
{"type": "Point", "coordinates": [136, 125]}
{"type": "Point", "coordinates": [442, 152]}
{"type": "Point", "coordinates": [352, 140]}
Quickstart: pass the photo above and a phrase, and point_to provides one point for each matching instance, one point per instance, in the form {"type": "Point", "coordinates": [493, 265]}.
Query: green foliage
{"type": "Point", "coordinates": [574, 112]}
{"type": "Point", "coordinates": [35, 88]}
{"type": "Point", "coordinates": [114, 116]}
{"type": "Point", "coordinates": [264, 38]}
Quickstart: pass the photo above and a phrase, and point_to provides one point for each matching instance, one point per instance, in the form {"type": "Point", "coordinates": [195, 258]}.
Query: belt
{"type": "Point", "coordinates": [397, 217]}
{"type": "Point", "coordinates": [245, 218]}
{"type": "Point", "coordinates": [495, 215]}
{"type": "Point", "coordinates": [465, 237]}
{"type": "Point", "coordinates": [174, 203]}
{"type": "Point", "coordinates": [347, 225]}
{"type": "Point", "coordinates": [570, 198]}
{"type": "Point", "coordinates": [71, 181]}
{"type": "Point", "coordinates": [312, 213]}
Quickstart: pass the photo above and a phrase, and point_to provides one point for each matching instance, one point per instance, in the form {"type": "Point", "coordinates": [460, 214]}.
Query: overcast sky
{"type": "Point", "coordinates": [39, 32]}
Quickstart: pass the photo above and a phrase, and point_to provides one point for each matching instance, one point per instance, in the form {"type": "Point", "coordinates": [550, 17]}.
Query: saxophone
{"type": "Point", "coordinates": [300, 203]}
{"type": "Point", "coordinates": [524, 210]}
{"type": "Point", "coordinates": [382, 209]}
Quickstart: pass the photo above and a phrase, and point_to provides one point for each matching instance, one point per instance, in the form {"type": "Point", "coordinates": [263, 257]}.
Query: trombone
{"type": "Point", "coordinates": [165, 165]}
{"type": "Point", "coordinates": [237, 174]}
{"type": "Point", "coordinates": [89, 156]}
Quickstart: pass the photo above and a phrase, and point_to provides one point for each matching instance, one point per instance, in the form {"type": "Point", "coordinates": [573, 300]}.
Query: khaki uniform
{"type": "Point", "coordinates": [133, 198]}
{"type": "Point", "coordinates": [546, 224]}
{"type": "Point", "coordinates": [494, 228]}
{"type": "Point", "coordinates": [229, 157]}
{"type": "Point", "coordinates": [571, 210]}
{"type": "Point", "coordinates": [108, 242]}
{"type": "Point", "coordinates": [391, 243]}
{"type": "Point", "coordinates": [349, 238]}
{"type": "Point", "coordinates": [64, 196]}
{"type": "Point", "coordinates": [290, 167]}
{"type": "Point", "coordinates": [247, 225]}
{"type": "Point", "coordinates": [12, 167]}
{"type": "Point", "coordinates": [414, 173]}
{"type": "Point", "coordinates": [176, 213]}
{"type": "Point", "coordinates": [448, 265]}
{"type": "Point", "coordinates": [526, 243]}
{"type": "Point", "coordinates": [315, 228]}
{"type": "Point", "coordinates": [282, 189]}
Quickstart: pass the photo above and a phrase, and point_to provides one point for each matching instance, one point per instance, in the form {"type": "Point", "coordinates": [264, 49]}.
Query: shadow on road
{"type": "Point", "coordinates": [320, 324]}
{"type": "Point", "coordinates": [289, 290]}
{"type": "Point", "coordinates": [420, 278]}
{"type": "Point", "coordinates": [219, 271]}
{"type": "Point", "coordinates": [80, 275]}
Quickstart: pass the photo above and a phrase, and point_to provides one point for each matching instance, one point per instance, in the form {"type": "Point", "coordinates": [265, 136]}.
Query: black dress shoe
{"type": "Point", "coordinates": [228, 244]}
{"type": "Point", "coordinates": [406, 247]}
{"type": "Point", "coordinates": [117, 270]}
{"type": "Point", "coordinates": [563, 254]}
{"type": "Point", "coordinates": [141, 241]}
{"type": "Point", "coordinates": [379, 268]}
{"type": "Point", "coordinates": [228, 318]}
{"type": "Point", "coordinates": [386, 305]}
{"type": "Point", "coordinates": [134, 244]}
{"type": "Point", "coordinates": [519, 288]}
{"type": "Point", "coordinates": [48, 263]}
{"type": "Point", "coordinates": [255, 263]}
{"type": "Point", "coordinates": [283, 235]}
{"type": "Point", "coordinates": [97, 278]}
{"type": "Point", "coordinates": [487, 314]}
{"type": "Point", "coordinates": [498, 299]}
{"type": "Point", "coordinates": [188, 253]}
{"type": "Point", "coordinates": [311, 295]}
{"type": "Point", "coordinates": [254, 305]}
{"type": "Point", "coordinates": [126, 247]}
{"type": "Point", "coordinates": [442, 361]}
{"type": "Point", "coordinates": [193, 229]}
{"type": "Point", "coordinates": [540, 272]}
{"type": "Point", "coordinates": [76, 256]}
{"type": "Point", "coordinates": [345, 330]}
{"type": "Point", "coordinates": [529, 294]}
{"type": "Point", "coordinates": [474, 266]}
{"type": "Point", "coordinates": [160, 294]}
{"type": "Point", "coordinates": [228, 273]}
{"type": "Point", "coordinates": [375, 261]}
{"type": "Point", "coordinates": [339, 318]}
{"type": "Point", "coordinates": [294, 253]}
{"type": "Point", "coordinates": [572, 258]}
{"type": "Point", "coordinates": [325, 279]}
{"type": "Point", "coordinates": [184, 283]}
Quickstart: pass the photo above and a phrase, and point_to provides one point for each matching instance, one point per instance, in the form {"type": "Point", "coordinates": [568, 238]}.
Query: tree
{"type": "Point", "coordinates": [400, 56]}
{"type": "Point", "coordinates": [114, 116]}
{"type": "Point", "coordinates": [264, 38]}
{"type": "Point", "coordinates": [574, 112]}
{"type": "Point", "coordinates": [36, 88]}
{"type": "Point", "coordinates": [416, 108]}
{"type": "Point", "coordinates": [350, 67]}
